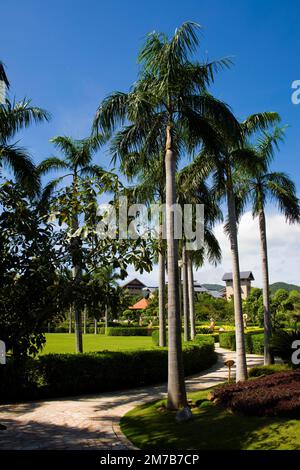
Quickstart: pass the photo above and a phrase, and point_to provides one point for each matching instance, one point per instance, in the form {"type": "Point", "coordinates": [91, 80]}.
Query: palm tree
{"type": "Point", "coordinates": [169, 108]}
{"type": "Point", "coordinates": [194, 189]}
{"type": "Point", "coordinates": [234, 157]}
{"type": "Point", "coordinates": [13, 118]}
{"type": "Point", "coordinates": [151, 189]}
{"type": "Point", "coordinates": [77, 164]}
{"type": "Point", "coordinates": [260, 186]}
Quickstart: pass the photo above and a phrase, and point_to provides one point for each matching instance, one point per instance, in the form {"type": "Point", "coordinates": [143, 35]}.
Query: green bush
{"type": "Point", "coordinates": [127, 331]}
{"type": "Point", "coordinates": [258, 371]}
{"type": "Point", "coordinates": [214, 336]}
{"type": "Point", "coordinates": [227, 340]}
{"type": "Point", "coordinates": [56, 375]}
{"type": "Point", "coordinates": [254, 341]}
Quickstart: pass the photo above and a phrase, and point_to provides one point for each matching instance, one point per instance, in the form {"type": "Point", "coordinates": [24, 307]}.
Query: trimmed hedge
{"type": "Point", "coordinates": [57, 375]}
{"type": "Point", "coordinates": [254, 341]}
{"type": "Point", "coordinates": [259, 371]}
{"type": "Point", "coordinates": [124, 331]}
{"type": "Point", "coordinates": [213, 336]}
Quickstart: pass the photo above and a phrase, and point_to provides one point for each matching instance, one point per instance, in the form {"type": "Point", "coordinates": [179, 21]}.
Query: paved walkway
{"type": "Point", "coordinates": [90, 422]}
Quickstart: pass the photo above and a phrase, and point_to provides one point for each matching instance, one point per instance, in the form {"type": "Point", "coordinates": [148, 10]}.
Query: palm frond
{"type": "Point", "coordinates": [51, 164]}
{"type": "Point", "coordinates": [22, 166]}
{"type": "Point", "coordinates": [3, 76]}
{"type": "Point", "coordinates": [259, 122]}
{"type": "Point", "coordinates": [16, 116]}
{"type": "Point", "coordinates": [111, 112]}
{"type": "Point", "coordinates": [282, 191]}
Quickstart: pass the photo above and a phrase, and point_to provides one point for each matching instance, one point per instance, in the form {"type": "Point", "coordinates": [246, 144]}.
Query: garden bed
{"type": "Point", "coordinates": [273, 395]}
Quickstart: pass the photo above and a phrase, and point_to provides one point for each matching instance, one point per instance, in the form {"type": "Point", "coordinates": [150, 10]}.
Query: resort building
{"type": "Point", "coordinates": [246, 278]}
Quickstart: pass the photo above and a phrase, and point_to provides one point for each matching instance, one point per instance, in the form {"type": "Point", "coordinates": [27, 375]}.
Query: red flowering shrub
{"type": "Point", "coordinates": [273, 395]}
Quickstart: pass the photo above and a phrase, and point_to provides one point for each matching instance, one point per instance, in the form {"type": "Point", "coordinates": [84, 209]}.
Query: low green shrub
{"type": "Point", "coordinates": [214, 336]}
{"type": "Point", "coordinates": [127, 331]}
{"type": "Point", "coordinates": [56, 375]}
{"type": "Point", "coordinates": [227, 340]}
{"type": "Point", "coordinates": [254, 341]}
{"type": "Point", "coordinates": [258, 371]}
{"type": "Point", "coordinates": [155, 337]}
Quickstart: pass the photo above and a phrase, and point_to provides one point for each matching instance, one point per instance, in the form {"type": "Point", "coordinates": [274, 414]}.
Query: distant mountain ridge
{"type": "Point", "coordinates": [283, 285]}
{"type": "Point", "coordinates": [273, 287]}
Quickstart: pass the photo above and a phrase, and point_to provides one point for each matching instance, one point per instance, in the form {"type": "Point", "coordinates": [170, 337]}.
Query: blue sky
{"type": "Point", "coordinates": [68, 55]}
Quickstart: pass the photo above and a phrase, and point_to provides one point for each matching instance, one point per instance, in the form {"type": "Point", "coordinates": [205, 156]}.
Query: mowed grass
{"type": "Point", "coordinates": [150, 426]}
{"type": "Point", "coordinates": [65, 343]}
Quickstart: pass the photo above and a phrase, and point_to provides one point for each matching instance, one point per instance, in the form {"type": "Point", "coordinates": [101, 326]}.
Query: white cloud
{"type": "Point", "coordinates": [283, 248]}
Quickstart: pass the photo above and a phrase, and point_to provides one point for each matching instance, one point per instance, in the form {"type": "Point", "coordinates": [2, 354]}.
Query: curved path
{"type": "Point", "coordinates": [91, 422]}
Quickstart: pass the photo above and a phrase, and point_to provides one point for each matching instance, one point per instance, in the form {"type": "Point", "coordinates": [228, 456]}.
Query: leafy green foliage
{"type": "Point", "coordinates": [281, 344]}
{"type": "Point", "coordinates": [254, 341]}
{"type": "Point", "coordinates": [207, 307]}
{"type": "Point", "coordinates": [258, 371]}
{"type": "Point", "coordinates": [53, 375]}
{"type": "Point", "coordinates": [29, 294]}
{"type": "Point", "coordinates": [130, 331]}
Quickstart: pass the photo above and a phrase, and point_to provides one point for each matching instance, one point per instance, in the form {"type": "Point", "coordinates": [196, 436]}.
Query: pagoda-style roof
{"type": "Point", "coordinates": [133, 284]}
{"type": "Point", "coordinates": [244, 275]}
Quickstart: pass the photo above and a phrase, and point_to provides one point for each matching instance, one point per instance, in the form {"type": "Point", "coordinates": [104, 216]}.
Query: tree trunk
{"type": "Point", "coordinates": [76, 259]}
{"type": "Point", "coordinates": [176, 386]}
{"type": "Point", "coordinates": [241, 364]}
{"type": "Point", "coordinates": [106, 319]}
{"type": "Point", "coordinates": [70, 319]}
{"type": "Point", "coordinates": [268, 358]}
{"type": "Point", "coordinates": [95, 326]}
{"type": "Point", "coordinates": [180, 291]}
{"type": "Point", "coordinates": [185, 295]}
{"type": "Point", "coordinates": [161, 299]}
{"type": "Point", "coordinates": [191, 294]}
{"type": "Point", "coordinates": [84, 320]}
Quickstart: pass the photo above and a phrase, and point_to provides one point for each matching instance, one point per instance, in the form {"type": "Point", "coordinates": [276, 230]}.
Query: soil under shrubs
{"type": "Point", "coordinates": [273, 395]}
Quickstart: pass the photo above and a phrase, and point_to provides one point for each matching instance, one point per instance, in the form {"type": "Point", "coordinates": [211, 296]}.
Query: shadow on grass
{"type": "Point", "coordinates": [212, 428]}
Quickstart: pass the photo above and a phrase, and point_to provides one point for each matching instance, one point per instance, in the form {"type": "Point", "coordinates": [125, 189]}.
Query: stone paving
{"type": "Point", "coordinates": [91, 422]}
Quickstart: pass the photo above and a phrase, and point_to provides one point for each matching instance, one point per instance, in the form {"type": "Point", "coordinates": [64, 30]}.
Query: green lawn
{"type": "Point", "coordinates": [212, 428]}
{"type": "Point", "coordinates": [65, 343]}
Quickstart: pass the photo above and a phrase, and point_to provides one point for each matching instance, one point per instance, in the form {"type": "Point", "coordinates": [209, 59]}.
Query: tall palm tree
{"type": "Point", "coordinates": [260, 186]}
{"type": "Point", "coordinates": [13, 118]}
{"type": "Point", "coordinates": [169, 104]}
{"type": "Point", "coordinates": [151, 190]}
{"type": "Point", "coordinates": [193, 189]}
{"type": "Point", "coordinates": [76, 164]}
{"type": "Point", "coordinates": [223, 163]}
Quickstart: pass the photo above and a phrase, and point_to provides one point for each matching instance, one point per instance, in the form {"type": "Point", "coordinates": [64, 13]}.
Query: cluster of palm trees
{"type": "Point", "coordinates": [167, 114]}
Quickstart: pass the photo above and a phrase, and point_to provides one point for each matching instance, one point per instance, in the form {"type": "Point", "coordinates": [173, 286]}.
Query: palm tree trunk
{"type": "Point", "coordinates": [176, 386]}
{"type": "Point", "coordinates": [95, 326]}
{"type": "Point", "coordinates": [268, 359]}
{"type": "Point", "coordinates": [241, 364]}
{"type": "Point", "coordinates": [77, 273]}
{"type": "Point", "coordinates": [191, 294]}
{"type": "Point", "coordinates": [161, 299]}
{"type": "Point", "coordinates": [185, 295]}
{"type": "Point", "coordinates": [84, 320]}
{"type": "Point", "coordinates": [106, 319]}
{"type": "Point", "coordinates": [70, 319]}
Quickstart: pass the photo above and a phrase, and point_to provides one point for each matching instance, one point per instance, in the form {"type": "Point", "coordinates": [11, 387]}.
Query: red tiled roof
{"type": "Point", "coordinates": [140, 305]}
